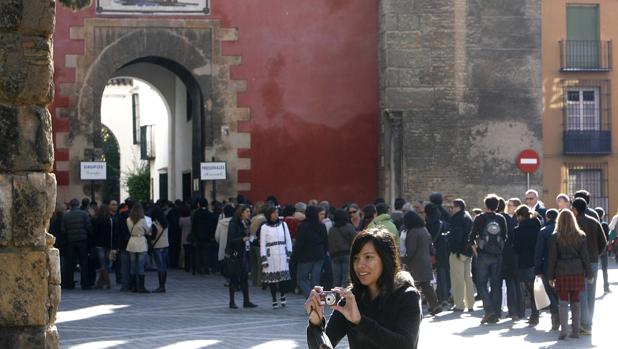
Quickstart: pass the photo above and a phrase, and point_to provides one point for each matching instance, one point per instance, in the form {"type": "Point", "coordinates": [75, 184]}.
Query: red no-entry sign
{"type": "Point", "coordinates": [528, 161]}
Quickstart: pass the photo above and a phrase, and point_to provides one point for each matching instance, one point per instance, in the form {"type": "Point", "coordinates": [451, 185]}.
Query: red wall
{"type": "Point", "coordinates": [312, 86]}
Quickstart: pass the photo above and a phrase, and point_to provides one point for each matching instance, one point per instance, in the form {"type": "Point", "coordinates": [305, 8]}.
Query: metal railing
{"type": "Point", "coordinates": [585, 55]}
{"type": "Point", "coordinates": [587, 142]}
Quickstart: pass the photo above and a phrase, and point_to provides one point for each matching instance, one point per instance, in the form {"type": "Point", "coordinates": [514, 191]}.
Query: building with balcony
{"type": "Point", "coordinates": [578, 96]}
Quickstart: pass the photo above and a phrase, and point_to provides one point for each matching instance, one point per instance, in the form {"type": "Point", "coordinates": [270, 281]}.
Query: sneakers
{"type": "Point", "coordinates": [282, 301]}
{"type": "Point", "coordinates": [533, 320]}
{"type": "Point", "coordinates": [275, 305]}
{"type": "Point", "coordinates": [435, 311]}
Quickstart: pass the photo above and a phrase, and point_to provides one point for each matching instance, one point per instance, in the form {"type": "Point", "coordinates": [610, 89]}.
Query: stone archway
{"type": "Point", "coordinates": [192, 50]}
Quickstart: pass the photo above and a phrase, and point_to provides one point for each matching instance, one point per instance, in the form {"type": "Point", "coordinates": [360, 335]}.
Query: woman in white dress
{"type": "Point", "coordinates": [275, 252]}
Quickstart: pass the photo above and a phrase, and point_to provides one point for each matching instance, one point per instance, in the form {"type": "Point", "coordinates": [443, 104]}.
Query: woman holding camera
{"type": "Point", "coordinates": [381, 310]}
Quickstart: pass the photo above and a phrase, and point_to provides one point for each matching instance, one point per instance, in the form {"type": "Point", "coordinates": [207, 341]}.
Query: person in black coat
{"type": "Point", "coordinates": [510, 266]}
{"type": "Point", "coordinates": [103, 233]}
{"type": "Point", "coordinates": [237, 255]}
{"type": "Point", "coordinates": [541, 255]}
{"type": "Point", "coordinates": [309, 250]}
{"type": "Point", "coordinates": [382, 308]}
{"type": "Point", "coordinates": [202, 236]}
{"type": "Point", "coordinates": [525, 236]}
{"type": "Point", "coordinates": [460, 258]}
{"type": "Point", "coordinates": [437, 228]}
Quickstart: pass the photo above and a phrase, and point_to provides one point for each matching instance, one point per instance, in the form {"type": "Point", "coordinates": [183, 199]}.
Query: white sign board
{"type": "Point", "coordinates": [213, 171]}
{"type": "Point", "coordinates": [164, 7]}
{"type": "Point", "coordinates": [93, 171]}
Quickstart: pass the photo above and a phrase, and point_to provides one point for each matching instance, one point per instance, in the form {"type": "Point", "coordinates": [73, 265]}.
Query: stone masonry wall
{"type": "Point", "coordinates": [29, 265]}
{"type": "Point", "coordinates": [462, 81]}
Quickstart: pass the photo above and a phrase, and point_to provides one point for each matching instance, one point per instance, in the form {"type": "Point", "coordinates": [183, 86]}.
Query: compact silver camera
{"type": "Point", "coordinates": [331, 298]}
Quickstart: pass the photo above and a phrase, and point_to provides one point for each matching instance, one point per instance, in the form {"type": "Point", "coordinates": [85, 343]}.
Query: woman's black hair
{"type": "Point", "coordinates": [312, 215]}
{"type": "Point", "coordinates": [239, 210]}
{"type": "Point", "coordinates": [385, 246]}
{"type": "Point", "coordinates": [159, 216]}
{"type": "Point", "coordinates": [228, 210]}
{"type": "Point", "coordinates": [412, 220]}
{"type": "Point", "coordinates": [341, 218]}
{"type": "Point", "coordinates": [269, 212]}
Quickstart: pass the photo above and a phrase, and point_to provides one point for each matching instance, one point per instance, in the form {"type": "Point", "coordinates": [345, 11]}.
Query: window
{"type": "Point", "coordinates": [590, 177]}
{"type": "Point", "coordinates": [583, 36]}
{"type": "Point", "coordinates": [583, 108]}
{"type": "Point", "coordinates": [136, 117]}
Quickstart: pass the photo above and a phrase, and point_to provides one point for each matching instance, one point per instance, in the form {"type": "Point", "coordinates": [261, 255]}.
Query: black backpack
{"type": "Point", "coordinates": [491, 240]}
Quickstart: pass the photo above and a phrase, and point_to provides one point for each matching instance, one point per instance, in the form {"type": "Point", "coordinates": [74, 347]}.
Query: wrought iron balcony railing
{"type": "Point", "coordinates": [585, 56]}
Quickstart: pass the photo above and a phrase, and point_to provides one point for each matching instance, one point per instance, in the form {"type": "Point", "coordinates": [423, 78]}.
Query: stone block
{"type": "Point", "coordinates": [54, 301]}
{"type": "Point", "coordinates": [26, 69]}
{"type": "Point", "coordinates": [52, 340]}
{"type": "Point", "coordinates": [33, 206]}
{"type": "Point", "coordinates": [23, 289]}
{"type": "Point", "coordinates": [26, 138]}
{"type": "Point", "coordinates": [38, 17]}
{"type": "Point", "coordinates": [22, 337]}
{"type": "Point", "coordinates": [53, 266]}
{"type": "Point", "coordinates": [6, 204]}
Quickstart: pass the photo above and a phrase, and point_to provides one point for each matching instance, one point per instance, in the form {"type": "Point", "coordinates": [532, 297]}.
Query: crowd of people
{"type": "Point", "coordinates": [454, 255]}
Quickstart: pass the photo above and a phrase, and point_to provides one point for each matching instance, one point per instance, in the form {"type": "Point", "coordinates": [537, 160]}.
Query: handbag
{"type": "Point", "coordinates": [232, 263]}
{"type": "Point", "coordinates": [541, 299]}
{"type": "Point", "coordinates": [317, 338]}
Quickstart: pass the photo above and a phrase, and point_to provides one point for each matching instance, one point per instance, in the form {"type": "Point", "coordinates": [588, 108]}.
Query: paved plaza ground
{"type": "Point", "coordinates": [194, 314]}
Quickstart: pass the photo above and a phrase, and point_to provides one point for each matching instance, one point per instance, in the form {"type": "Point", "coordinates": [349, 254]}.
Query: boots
{"type": "Point", "coordinates": [140, 285]}
{"type": "Point", "coordinates": [245, 295]}
{"type": "Point", "coordinates": [162, 279]}
{"type": "Point", "coordinates": [231, 288]}
{"type": "Point", "coordinates": [576, 315]}
{"type": "Point", "coordinates": [563, 318]}
{"type": "Point", "coordinates": [133, 283]}
{"type": "Point", "coordinates": [555, 322]}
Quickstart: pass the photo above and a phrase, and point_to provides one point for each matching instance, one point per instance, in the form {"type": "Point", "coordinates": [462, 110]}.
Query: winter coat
{"type": "Point", "coordinates": [236, 231]}
{"type": "Point", "coordinates": [384, 220]}
{"type": "Point", "coordinates": [221, 236]}
{"type": "Point", "coordinates": [437, 228]}
{"type": "Point", "coordinates": [76, 226]}
{"type": "Point", "coordinates": [595, 237]}
{"type": "Point", "coordinates": [102, 232]}
{"type": "Point", "coordinates": [418, 257]}
{"type": "Point", "coordinates": [340, 240]}
{"type": "Point", "coordinates": [567, 260]}
{"type": "Point", "coordinates": [524, 241]}
{"type": "Point", "coordinates": [460, 226]}
{"type": "Point", "coordinates": [389, 321]}
{"type": "Point", "coordinates": [139, 231]}
{"type": "Point", "coordinates": [202, 226]}
{"type": "Point", "coordinates": [541, 251]}
{"type": "Point", "coordinates": [121, 231]}
{"type": "Point", "coordinates": [311, 243]}
{"type": "Point", "coordinates": [275, 251]}
{"type": "Point", "coordinates": [510, 263]}
{"type": "Point", "coordinates": [479, 225]}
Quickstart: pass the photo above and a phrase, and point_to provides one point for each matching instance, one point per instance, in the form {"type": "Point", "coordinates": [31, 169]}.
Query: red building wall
{"type": "Point", "coordinates": [312, 86]}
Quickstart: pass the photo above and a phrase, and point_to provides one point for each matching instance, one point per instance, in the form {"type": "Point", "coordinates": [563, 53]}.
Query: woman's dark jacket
{"type": "Point", "coordinates": [436, 228]}
{"type": "Point", "coordinates": [524, 242]}
{"type": "Point", "coordinates": [391, 323]}
{"type": "Point", "coordinates": [564, 260]}
{"type": "Point", "coordinates": [311, 243]}
{"type": "Point", "coordinates": [122, 234]}
{"type": "Point", "coordinates": [102, 229]}
{"type": "Point", "coordinates": [236, 231]}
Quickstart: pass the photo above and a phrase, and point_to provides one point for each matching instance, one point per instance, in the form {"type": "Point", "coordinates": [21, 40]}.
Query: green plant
{"type": "Point", "coordinates": [138, 182]}
{"type": "Point", "coordinates": [111, 156]}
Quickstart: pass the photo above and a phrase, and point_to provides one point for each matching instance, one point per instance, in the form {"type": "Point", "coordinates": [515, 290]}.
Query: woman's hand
{"type": "Point", "coordinates": [314, 309]}
{"type": "Point", "coordinates": [552, 283]}
{"type": "Point", "coordinates": [350, 309]}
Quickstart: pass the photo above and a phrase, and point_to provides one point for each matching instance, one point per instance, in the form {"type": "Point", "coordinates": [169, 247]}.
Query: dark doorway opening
{"type": "Point", "coordinates": [163, 186]}
{"type": "Point", "coordinates": [186, 186]}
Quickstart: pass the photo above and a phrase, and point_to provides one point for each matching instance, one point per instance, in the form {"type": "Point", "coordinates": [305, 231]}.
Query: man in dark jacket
{"type": "Point", "coordinates": [541, 253]}
{"type": "Point", "coordinates": [460, 259]}
{"type": "Point", "coordinates": [596, 242]}
{"type": "Point", "coordinates": [532, 201]}
{"type": "Point", "coordinates": [76, 231]}
{"type": "Point", "coordinates": [584, 194]}
{"type": "Point", "coordinates": [202, 235]}
{"type": "Point", "coordinates": [489, 233]}
{"type": "Point", "coordinates": [436, 199]}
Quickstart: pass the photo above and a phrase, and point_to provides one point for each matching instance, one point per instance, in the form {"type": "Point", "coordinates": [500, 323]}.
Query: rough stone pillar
{"type": "Point", "coordinates": [29, 265]}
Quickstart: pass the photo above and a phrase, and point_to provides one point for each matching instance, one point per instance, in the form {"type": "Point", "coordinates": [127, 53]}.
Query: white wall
{"type": "Point", "coordinates": [162, 104]}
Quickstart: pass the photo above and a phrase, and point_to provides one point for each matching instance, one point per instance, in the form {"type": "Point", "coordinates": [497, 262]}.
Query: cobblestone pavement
{"type": "Point", "coordinates": [194, 314]}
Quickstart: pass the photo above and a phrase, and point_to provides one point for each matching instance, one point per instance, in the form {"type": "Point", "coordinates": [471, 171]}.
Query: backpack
{"type": "Point", "coordinates": [491, 240]}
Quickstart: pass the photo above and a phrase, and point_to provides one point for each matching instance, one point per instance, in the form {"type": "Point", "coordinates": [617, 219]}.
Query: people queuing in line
{"type": "Point", "coordinates": [450, 251]}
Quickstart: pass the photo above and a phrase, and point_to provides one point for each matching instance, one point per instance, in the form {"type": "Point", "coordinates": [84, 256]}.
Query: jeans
{"type": "Point", "coordinates": [103, 257]}
{"type": "Point", "coordinates": [138, 262]}
{"type": "Point", "coordinates": [125, 265]}
{"type": "Point", "coordinates": [188, 249]}
{"type": "Point", "coordinates": [308, 275]}
{"type": "Point", "coordinates": [489, 267]}
{"type": "Point", "coordinates": [604, 259]}
{"type": "Point", "coordinates": [161, 259]}
{"type": "Point", "coordinates": [341, 270]}
{"type": "Point", "coordinates": [526, 280]}
{"type": "Point", "coordinates": [443, 283]}
{"type": "Point", "coordinates": [587, 299]}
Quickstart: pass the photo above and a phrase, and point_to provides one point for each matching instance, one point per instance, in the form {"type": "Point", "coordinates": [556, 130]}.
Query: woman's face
{"type": "Point", "coordinates": [274, 216]}
{"type": "Point", "coordinates": [368, 265]}
{"type": "Point", "coordinates": [245, 214]}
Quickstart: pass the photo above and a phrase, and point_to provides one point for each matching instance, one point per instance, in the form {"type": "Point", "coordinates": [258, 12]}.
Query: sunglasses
{"type": "Point", "coordinates": [352, 212]}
